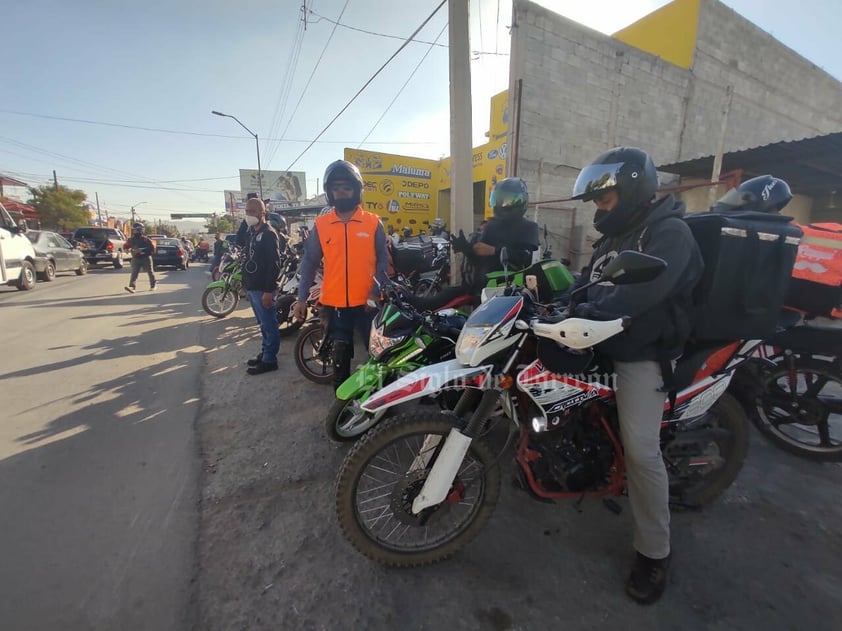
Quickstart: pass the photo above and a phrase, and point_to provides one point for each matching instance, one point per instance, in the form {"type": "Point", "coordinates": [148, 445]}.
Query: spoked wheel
{"type": "Point", "coordinates": [346, 420]}
{"type": "Point", "coordinates": [314, 354]}
{"type": "Point", "coordinates": [426, 288]}
{"type": "Point", "coordinates": [800, 409]}
{"type": "Point", "coordinates": [219, 301]}
{"type": "Point", "coordinates": [704, 457]}
{"type": "Point", "coordinates": [287, 324]}
{"type": "Point", "coordinates": [384, 473]}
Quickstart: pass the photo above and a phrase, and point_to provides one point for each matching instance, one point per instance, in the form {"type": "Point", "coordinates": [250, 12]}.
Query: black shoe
{"type": "Point", "coordinates": [255, 360]}
{"type": "Point", "coordinates": [262, 367]}
{"type": "Point", "coordinates": [648, 579]}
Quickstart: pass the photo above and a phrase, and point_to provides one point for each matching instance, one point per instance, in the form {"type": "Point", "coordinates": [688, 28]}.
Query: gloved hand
{"type": "Point", "coordinates": [460, 243]}
{"type": "Point", "coordinates": [584, 310]}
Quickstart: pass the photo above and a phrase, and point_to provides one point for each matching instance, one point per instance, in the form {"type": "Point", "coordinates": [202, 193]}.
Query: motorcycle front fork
{"type": "Point", "coordinates": [440, 480]}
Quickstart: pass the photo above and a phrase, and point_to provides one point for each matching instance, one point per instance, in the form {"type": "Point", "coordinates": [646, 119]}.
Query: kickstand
{"type": "Point", "coordinates": [577, 505]}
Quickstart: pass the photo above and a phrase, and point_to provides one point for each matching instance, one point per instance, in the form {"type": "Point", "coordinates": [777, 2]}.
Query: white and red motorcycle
{"type": "Point", "coordinates": [420, 486]}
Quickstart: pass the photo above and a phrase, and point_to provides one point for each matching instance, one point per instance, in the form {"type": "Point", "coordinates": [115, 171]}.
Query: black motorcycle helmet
{"type": "Point", "coordinates": [137, 228]}
{"type": "Point", "coordinates": [345, 171]}
{"type": "Point", "coordinates": [764, 194]}
{"type": "Point", "coordinates": [277, 221]}
{"type": "Point", "coordinates": [632, 173]}
{"type": "Point", "coordinates": [509, 199]}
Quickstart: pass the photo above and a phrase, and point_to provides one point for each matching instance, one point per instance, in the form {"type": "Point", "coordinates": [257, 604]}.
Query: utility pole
{"type": "Point", "coordinates": [461, 167]}
{"type": "Point", "coordinates": [98, 211]}
{"type": "Point", "coordinates": [55, 180]}
{"type": "Point", "coordinates": [720, 149]}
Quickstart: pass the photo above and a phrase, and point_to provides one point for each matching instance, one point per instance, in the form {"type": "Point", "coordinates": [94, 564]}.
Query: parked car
{"type": "Point", "coordinates": [101, 245]}
{"type": "Point", "coordinates": [53, 253]}
{"type": "Point", "coordinates": [17, 256]}
{"type": "Point", "coordinates": [169, 252]}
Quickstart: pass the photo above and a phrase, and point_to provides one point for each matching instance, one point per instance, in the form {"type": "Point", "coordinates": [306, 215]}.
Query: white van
{"type": "Point", "coordinates": [17, 258]}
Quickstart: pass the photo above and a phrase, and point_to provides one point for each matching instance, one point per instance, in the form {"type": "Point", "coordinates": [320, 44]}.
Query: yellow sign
{"type": "Point", "coordinates": [400, 189]}
{"type": "Point", "coordinates": [498, 128]}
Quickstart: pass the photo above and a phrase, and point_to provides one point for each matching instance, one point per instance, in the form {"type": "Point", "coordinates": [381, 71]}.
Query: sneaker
{"type": "Point", "coordinates": [261, 368]}
{"type": "Point", "coordinates": [152, 286]}
{"type": "Point", "coordinates": [254, 361]}
{"type": "Point", "coordinates": [129, 289]}
{"type": "Point", "coordinates": [648, 579]}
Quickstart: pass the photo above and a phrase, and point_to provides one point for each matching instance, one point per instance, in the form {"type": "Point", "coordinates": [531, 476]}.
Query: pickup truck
{"type": "Point", "coordinates": [101, 245]}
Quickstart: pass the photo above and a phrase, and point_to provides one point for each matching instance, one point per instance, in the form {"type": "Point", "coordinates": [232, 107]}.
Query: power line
{"type": "Point", "coordinates": [417, 41]}
{"type": "Point", "coordinates": [367, 83]}
{"type": "Point", "coordinates": [194, 133]}
{"type": "Point", "coordinates": [497, 27]}
{"type": "Point", "coordinates": [286, 83]}
{"type": "Point", "coordinates": [309, 80]}
{"type": "Point", "coordinates": [405, 83]}
{"type": "Point", "coordinates": [479, 11]}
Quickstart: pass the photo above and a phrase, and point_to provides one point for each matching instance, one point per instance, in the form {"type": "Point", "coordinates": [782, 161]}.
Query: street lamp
{"type": "Point", "coordinates": [259, 172]}
{"type": "Point", "coordinates": [133, 207]}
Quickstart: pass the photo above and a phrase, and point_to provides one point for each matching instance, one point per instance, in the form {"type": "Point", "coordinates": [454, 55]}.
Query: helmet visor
{"type": "Point", "coordinates": [595, 179]}
{"type": "Point", "coordinates": [734, 199]}
{"type": "Point", "coordinates": [505, 199]}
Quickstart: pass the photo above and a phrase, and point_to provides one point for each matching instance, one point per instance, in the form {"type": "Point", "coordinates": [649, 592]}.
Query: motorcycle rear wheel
{"type": "Point", "coordinates": [219, 302]}
{"type": "Point", "coordinates": [802, 422]}
{"type": "Point", "coordinates": [389, 451]}
{"type": "Point", "coordinates": [287, 324]}
{"type": "Point", "coordinates": [699, 472]}
{"type": "Point", "coordinates": [314, 361]}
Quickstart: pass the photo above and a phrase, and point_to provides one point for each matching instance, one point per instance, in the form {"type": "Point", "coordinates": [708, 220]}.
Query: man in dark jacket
{"type": "Point", "coordinates": [622, 183]}
{"type": "Point", "coordinates": [261, 268]}
{"type": "Point", "coordinates": [507, 228]}
{"type": "Point", "coordinates": [142, 248]}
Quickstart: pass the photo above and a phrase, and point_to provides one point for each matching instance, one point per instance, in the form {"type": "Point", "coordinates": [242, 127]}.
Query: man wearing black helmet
{"type": "Point", "coordinates": [507, 228]}
{"type": "Point", "coordinates": [765, 194]}
{"type": "Point", "coordinates": [623, 183]}
{"type": "Point", "coordinates": [352, 243]}
{"type": "Point", "coordinates": [142, 248]}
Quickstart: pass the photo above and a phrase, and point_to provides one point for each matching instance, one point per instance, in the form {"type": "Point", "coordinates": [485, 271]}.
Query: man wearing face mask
{"type": "Point", "coordinates": [261, 268]}
{"type": "Point", "coordinates": [623, 183]}
{"type": "Point", "coordinates": [352, 243]}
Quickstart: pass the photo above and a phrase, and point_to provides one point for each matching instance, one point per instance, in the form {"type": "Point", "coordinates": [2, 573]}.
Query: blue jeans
{"type": "Point", "coordinates": [268, 320]}
{"type": "Point", "coordinates": [343, 321]}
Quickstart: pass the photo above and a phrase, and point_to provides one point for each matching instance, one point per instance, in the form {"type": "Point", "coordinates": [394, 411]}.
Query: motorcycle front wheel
{"type": "Point", "coordinates": [385, 471]}
{"type": "Point", "coordinates": [314, 355]}
{"type": "Point", "coordinates": [219, 301]}
{"type": "Point", "coordinates": [704, 458]}
{"type": "Point", "coordinates": [800, 409]}
{"type": "Point", "coordinates": [346, 420]}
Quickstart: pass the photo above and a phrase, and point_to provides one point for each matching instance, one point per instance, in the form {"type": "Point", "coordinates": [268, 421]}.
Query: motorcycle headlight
{"type": "Point", "coordinates": [469, 340]}
{"type": "Point", "coordinates": [379, 344]}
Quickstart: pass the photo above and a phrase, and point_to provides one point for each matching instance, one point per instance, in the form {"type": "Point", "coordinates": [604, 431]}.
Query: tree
{"type": "Point", "coordinates": [62, 209]}
{"type": "Point", "coordinates": [224, 224]}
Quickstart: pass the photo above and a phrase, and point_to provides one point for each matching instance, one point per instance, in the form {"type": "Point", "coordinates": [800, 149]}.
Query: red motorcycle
{"type": "Point", "coordinates": [420, 486]}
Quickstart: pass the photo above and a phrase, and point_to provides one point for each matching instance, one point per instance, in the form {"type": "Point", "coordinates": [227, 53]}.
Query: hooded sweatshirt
{"type": "Point", "coordinates": [661, 308]}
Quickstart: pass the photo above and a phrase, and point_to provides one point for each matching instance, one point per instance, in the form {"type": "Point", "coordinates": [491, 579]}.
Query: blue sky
{"type": "Point", "coordinates": [165, 64]}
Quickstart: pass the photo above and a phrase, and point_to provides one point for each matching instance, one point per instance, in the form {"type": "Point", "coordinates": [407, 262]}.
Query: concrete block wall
{"type": "Point", "coordinates": [584, 92]}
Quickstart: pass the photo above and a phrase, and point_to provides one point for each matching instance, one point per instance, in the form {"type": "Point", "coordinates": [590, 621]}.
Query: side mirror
{"type": "Point", "coordinates": [632, 267]}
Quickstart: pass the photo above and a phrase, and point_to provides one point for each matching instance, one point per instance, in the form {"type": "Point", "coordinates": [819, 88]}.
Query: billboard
{"type": "Point", "coordinates": [401, 189]}
{"type": "Point", "coordinates": [235, 203]}
{"type": "Point", "coordinates": [279, 186]}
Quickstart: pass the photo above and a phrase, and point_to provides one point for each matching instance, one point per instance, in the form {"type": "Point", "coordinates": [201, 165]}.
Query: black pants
{"type": "Point", "coordinates": [140, 263]}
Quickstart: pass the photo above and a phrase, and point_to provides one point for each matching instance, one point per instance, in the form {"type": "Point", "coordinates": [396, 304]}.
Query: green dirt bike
{"type": "Point", "coordinates": [403, 337]}
{"type": "Point", "coordinates": [222, 296]}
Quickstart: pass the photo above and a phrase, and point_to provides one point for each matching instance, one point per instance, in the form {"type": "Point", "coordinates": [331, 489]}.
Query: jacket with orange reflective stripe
{"type": "Point", "coordinates": [350, 251]}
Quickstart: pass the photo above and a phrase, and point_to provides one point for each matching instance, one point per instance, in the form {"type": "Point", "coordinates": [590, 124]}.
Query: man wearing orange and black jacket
{"type": "Point", "coordinates": [352, 243]}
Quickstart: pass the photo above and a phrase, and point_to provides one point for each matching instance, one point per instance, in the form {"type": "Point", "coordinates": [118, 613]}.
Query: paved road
{"type": "Point", "coordinates": [98, 459]}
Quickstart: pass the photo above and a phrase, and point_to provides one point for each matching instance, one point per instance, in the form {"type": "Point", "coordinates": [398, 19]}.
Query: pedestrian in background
{"type": "Point", "coordinates": [261, 268]}
{"type": "Point", "coordinates": [142, 248]}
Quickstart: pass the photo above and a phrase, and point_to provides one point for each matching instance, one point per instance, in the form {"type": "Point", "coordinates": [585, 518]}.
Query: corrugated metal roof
{"type": "Point", "coordinates": [812, 166]}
